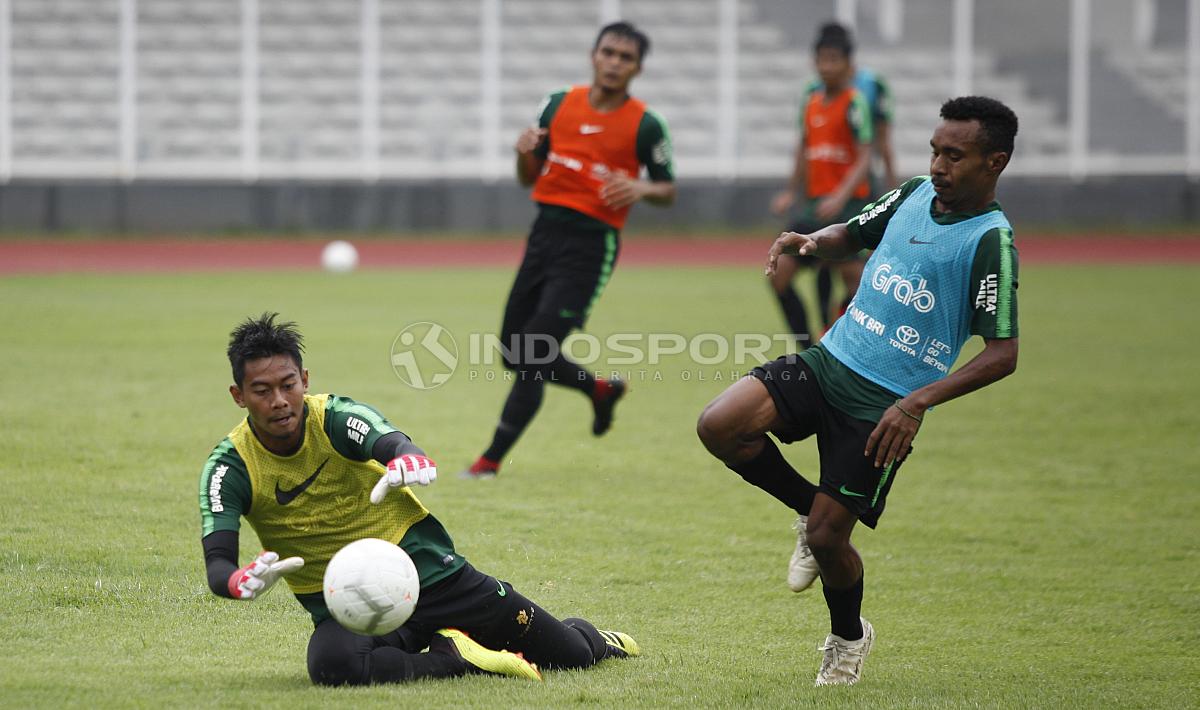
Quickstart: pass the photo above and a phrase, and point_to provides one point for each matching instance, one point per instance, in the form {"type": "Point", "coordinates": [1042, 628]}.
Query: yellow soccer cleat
{"type": "Point", "coordinates": [485, 660]}
{"type": "Point", "coordinates": [620, 644]}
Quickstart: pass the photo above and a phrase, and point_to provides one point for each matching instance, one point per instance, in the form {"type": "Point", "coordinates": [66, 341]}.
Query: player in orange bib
{"type": "Point", "coordinates": [832, 168]}
{"type": "Point", "coordinates": [584, 158]}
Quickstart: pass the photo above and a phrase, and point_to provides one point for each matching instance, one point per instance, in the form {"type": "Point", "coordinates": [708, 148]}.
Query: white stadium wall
{"type": "Point", "coordinates": [400, 114]}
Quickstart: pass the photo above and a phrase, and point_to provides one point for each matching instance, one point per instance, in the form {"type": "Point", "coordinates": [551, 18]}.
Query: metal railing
{"type": "Point", "coordinates": [723, 157]}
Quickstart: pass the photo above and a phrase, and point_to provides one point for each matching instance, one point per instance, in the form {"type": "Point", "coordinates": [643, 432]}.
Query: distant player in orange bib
{"type": "Point", "coordinates": [832, 167]}
{"type": "Point", "coordinates": [584, 158]}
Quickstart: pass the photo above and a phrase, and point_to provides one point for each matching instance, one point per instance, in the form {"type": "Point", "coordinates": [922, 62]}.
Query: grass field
{"type": "Point", "coordinates": [1039, 550]}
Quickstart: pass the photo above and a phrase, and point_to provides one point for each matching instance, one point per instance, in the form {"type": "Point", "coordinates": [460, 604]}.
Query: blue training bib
{"type": "Point", "coordinates": [912, 312]}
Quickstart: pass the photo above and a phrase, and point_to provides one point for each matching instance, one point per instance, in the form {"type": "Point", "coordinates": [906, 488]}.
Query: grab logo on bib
{"type": "Point", "coordinates": [908, 290]}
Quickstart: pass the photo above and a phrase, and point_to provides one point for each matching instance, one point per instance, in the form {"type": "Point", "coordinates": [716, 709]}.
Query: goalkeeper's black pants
{"type": "Point", "coordinates": [490, 611]}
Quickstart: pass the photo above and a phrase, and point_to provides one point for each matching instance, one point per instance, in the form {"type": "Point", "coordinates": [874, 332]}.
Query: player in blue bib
{"type": "Point", "coordinates": [944, 268]}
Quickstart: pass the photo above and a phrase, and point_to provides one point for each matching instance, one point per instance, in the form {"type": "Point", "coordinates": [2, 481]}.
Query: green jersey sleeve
{"type": "Point", "coordinates": [869, 225]}
{"type": "Point", "coordinates": [994, 286]}
{"type": "Point", "coordinates": [858, 117]}
{"type": "Point", "coordinates": [654, 147]}
{"type": "Point", "coordinates": [225, 493]}
{"type": "Point", "coordinates": [354, 427]}
{"type": "Point", "coordinates": [545, 114]}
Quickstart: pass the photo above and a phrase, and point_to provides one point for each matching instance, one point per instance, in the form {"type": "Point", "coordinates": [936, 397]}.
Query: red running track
{"type": "Point", "coordinates": [42, 256]}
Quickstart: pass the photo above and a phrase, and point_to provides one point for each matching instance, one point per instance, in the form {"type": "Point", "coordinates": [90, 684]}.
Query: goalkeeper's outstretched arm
{"type": "Point", "coordinates": [220, 560]}
{"type": "Point", "coordinates": [405, 462]}
{"type": "Point", "coordinates": [393, 445]}
{"type": "Point", "coordinates": [250, 581]}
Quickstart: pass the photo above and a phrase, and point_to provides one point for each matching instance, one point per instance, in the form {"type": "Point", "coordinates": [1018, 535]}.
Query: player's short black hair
{"type": "Point", "coordinates": [998, 121]}
{"type": "Point", "coordinates": [832, 35]}
{"type": "Point", "coordinates": [625, 30]}
{"type": "Point", "coordinates": [261, 337]}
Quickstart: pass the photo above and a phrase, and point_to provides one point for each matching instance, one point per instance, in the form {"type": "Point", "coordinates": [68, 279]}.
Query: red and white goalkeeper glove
{"type": "Point", "coordinates": [257, 578]}
{"type": "Point", "coordinates": [404, 471]}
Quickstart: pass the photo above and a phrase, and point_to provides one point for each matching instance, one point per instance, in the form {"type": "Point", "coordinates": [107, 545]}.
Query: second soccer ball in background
{"type": "Point", "coordinates": [339, 256]}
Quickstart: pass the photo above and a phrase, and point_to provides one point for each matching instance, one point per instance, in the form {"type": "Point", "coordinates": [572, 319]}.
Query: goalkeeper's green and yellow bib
{"type": "Point", "coordinates": [316, 501]}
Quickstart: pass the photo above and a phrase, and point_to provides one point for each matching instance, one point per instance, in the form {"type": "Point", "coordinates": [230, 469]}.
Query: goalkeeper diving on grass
{"type": "Point", "coordinates": [312, 473]}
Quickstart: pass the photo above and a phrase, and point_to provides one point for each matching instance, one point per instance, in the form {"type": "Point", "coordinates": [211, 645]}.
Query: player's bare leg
{"type": "Point", "coordinates": [789, 301]}
{"type": "Point", "coordinates": [785, 271]}
{"type": "Point", "coordinates": [733, 428]}
{"type": "Point", "coordinates": [829, 527]}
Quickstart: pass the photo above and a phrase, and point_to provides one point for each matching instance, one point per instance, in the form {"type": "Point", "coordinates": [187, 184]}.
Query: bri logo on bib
{"type": "Point", "coordinates": [903, 288]}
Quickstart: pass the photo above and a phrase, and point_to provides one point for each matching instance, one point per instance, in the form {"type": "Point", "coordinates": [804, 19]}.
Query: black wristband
{"type": "Point", "coordinates": [394, 444]}
{"type": "Point", "coordinates": [220, 560]}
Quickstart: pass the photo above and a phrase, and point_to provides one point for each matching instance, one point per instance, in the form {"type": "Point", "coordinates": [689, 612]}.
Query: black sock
{"type": "Point", "coordinates": [772, 473]}
{"type": "Point", "coordinates": [824, 291]}
{"type": "Point", "coordinates": [845, 610]}
{"type": "Point", "coordinates": [523, 402]}
{"type": "Point", "coordinates": [569, 374]}
{"type": "Point", "coordinates": [794, 313]}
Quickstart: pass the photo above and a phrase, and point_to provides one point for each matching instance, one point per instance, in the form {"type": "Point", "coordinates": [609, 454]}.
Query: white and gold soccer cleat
{"type": "Point", "coordinates": [843, 661]}
{"type": "Point", "coordinates": [802, 568]}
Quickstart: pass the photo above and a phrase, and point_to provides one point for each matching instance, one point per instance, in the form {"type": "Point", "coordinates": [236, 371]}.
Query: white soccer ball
{"type": "Point", "coordinates": [339, 256]}
{"type": "Point", "coordinates": [371, 586]}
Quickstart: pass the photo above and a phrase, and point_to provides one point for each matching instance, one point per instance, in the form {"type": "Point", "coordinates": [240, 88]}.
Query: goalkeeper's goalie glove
{"type": "Point", "coordinates": [404, 471]}
{"type": "Point", "coordinates": [256, 579]}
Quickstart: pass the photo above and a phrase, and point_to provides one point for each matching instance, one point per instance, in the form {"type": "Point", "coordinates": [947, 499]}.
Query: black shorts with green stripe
{"type": "Point", "coordinates": [565, 268]}
{"type": "Point", "coordinates": [847, 476]}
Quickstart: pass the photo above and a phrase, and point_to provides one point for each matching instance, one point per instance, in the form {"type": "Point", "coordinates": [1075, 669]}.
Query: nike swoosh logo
{"type": "Point", "coordinates": [914, 240]}
{"type": "Point", "coordinates": [588, 129]}
{"type": "Point", "coordinates": [848, 492]}
{"type": "Point", "coordinates": [283, 497]}
{"type": "Point", "coordinates": [501, 591]}
{"type": "Point", "coordinates": [567, 313]}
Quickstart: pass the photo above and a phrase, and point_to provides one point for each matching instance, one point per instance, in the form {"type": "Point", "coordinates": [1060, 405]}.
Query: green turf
{"type": "Point", "coordinates": [1039, 549]}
